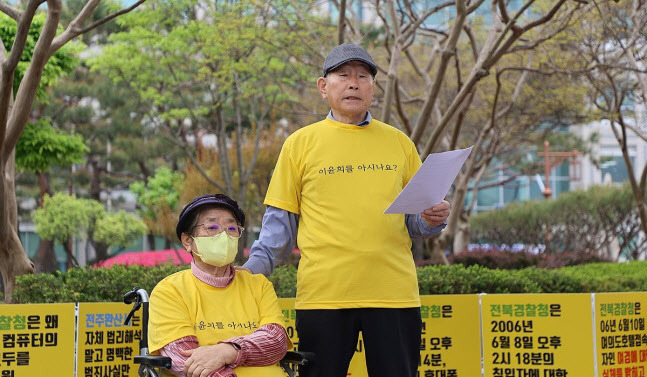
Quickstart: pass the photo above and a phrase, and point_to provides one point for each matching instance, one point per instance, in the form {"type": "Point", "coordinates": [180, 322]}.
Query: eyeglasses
{"type": "Point", "coordinates": [214, 229]}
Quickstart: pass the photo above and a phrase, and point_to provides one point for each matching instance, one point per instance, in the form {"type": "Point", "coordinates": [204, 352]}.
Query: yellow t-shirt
{"type": "Point", "coordinates": [182, 305]}
{"type": "Point", "coordinates": [339, 178]}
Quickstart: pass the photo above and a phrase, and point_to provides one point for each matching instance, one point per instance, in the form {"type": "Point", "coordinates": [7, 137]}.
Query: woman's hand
{"type": "Point", "coordinates": [204, 360]}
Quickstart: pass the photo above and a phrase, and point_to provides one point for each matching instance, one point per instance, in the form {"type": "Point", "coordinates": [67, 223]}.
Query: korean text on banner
{"type": "Point", "coordinates": [450, 328]}
{"type": "Point", "coordinates": [106, 346]}
{"type": "Point", "coordinates": [621, 337]}
{"type": "Point", "coordinates": [547, 335]}
{"type": "Point", "coordinates": [37, 340]}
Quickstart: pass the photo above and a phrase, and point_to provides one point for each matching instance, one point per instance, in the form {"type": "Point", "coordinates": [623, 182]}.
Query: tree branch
{"type": "Point", "coordinates": [20, 40]}
{"type": "Point", "coordinates": [411, 27]}
{"type": "Point", "coordinates": [448, 50]}
{"type": "Point", "coordinates": [10, 11]}
{"type": "Point", "coordinates": [546, 17]}
{"type": "Point", "coordinates": [493, 54]}
{"type": "Point", "coordinates": [196, 165]}
{"type": "Point", "coordinates": [260, 126]}
{"type": "Point", "coordinates": [9, 66]}
{"type": "Point", "coordinates": [342, 22]}
{"type": "Point", "coordinates": [29, 84]}
{"type": "Point", "coordinates": [404, 118]}
{"type": "Point", "coordinates": [503, 12]}
{"type": "Point", "coordinates": [393, 64]}
{"type": "Point", "coordinates": [538, 41]}
{"type": "Point", "coordinates": [414, 64]}
{"type": "Point", "coordinates": [637, 132]}
{"type": "Point", "coordinates": [473, 42]}
{"type": "Point", "coordinates": [223, 151]}
{"type": "Point", "coordinates": [643, 180]}
{"type": "Point", "coordinates": [74, 28]}
{"type": "Point", "coordinates": [495, 184]}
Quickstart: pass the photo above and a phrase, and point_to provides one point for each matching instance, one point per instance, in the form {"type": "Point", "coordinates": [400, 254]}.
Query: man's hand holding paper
{"type": "Point", "coordinates": [426, 191]}
{"type": "Point", "coordinates": [438, 214]}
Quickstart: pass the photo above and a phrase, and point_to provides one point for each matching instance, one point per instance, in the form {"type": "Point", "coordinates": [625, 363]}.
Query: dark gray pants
{"type": "Point", "coordinates": [391, 340]}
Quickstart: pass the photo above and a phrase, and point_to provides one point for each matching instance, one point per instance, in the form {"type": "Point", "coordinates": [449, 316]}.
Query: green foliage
{"type": "Point", "coordinates": [112, 123]}
{"type": "Point", "coordinates": [174, 61]}
{"type": "Point", "coordinates": [72, 8]}
{"type": "Point", "coordinates": [40, 146]}
{"type": "Point", "coordinates": [620, 277]}
{"type": "Point", "coordinates": [61, 63]}
{"type": "Point", "coordinates": [160, 190]}
{"type": "Point", "coordinates": [109, 284]}
{"type": "Point", "coordinates": [579, 221]}
{"type": "Point", "coordinates": [89, 284]}
{"type": "Point", "coordinates": [456, 279]}
{"type": "Point", "coordinates": [119, 229]}
{"type": "Point", "coordinates": [557, 281]}
{"type": "Point", "coordinates": [63, 216]}
{"type": "Point", "coordinates": [41, 288]}
{"type": "Point", "coordinates": [594, 277]}
{"type": "Point", "coordinates": [284, 280]}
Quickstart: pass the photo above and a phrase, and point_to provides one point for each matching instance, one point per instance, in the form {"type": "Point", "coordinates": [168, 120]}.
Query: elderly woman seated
{"type": "Point", "coordinates": [214, 320]}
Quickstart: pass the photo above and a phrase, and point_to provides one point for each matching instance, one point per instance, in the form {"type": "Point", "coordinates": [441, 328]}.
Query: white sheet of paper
{"type": "Point", "coordinates": [431, 183]}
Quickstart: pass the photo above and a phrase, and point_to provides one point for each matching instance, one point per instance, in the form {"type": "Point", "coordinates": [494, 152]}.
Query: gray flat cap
{"type": "Point", "coordinates": [345, 53]}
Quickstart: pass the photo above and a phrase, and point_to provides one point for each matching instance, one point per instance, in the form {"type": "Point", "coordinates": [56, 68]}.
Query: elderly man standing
{"type": "Point", "coordinates": [332, 182]}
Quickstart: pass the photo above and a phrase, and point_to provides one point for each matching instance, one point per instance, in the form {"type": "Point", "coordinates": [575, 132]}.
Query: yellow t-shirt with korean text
{"type": "Point", "coordinates": [182, 305]}
{"type": "Point", "coordinates": [339, 178]}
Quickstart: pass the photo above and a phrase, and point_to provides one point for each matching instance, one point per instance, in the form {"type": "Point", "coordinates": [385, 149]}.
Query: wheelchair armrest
{"type": "Point", "coordinates": [154, 361]}
{"type": "Point", "coordinates": [298, 358]}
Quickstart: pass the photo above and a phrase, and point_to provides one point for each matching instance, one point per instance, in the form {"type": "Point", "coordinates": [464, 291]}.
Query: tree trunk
{"type": "Point", "coordinates": [637, 188]}
{"type": "Point", "coordinates": [43, 184]}
{"type": "Point", "coordinates": [390, 86]}
{"type": "Point", "coordinates": [418, 250]}
{"type": "Point", "coordinates": [45, 258]}
{"type": "Point", "coordinates": [462, 234]}
{"type": "Point", "coordinates": [69, 250]}
{"type": "Point", "coordinates": [95, 184]}
{"type": "Point", "coordinates": [13, 260]}
{"type": "Point", "coordinates": [342, 22]}
{"type": "Point", "coordinates": [436, 247]}
{"type": "Point", "coordinates": [101, 251]}
{"type": "Point", "coordinates": [458, 217]}
{"type": "Point", "coordinates": [151, 241]}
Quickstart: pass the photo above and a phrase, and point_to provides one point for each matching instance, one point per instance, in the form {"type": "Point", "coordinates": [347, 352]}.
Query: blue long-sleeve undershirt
{"type": "Point", "coordinates": [279, 235]}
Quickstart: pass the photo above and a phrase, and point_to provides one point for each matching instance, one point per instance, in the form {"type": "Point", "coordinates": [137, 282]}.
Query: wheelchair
{"type": "Point", "coordinates": [152, 365]}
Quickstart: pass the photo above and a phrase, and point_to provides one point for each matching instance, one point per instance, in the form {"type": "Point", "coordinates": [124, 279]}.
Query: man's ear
{"type": "Point", "coordinates": [186, 241]}
{"type": "Point", "coordinates": [321, 85]}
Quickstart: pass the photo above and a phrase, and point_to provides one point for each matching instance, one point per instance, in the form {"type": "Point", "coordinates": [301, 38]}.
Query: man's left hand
{"type": "Point", "coordinates": [438, 214]}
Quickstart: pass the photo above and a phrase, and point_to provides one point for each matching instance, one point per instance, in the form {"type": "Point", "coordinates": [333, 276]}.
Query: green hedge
{"type": "Point", "coordinates": [455, 279]}
{"type": "Point", "coordinates": [578, 221]}
{"type": "Point", "coordinates": [109, 284]}
{"type": "Point", "coordinates": [88, 284]}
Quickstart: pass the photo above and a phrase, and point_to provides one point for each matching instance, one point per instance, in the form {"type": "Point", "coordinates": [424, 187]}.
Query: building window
{"type": "Point", "coordinates": [612, 165]}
